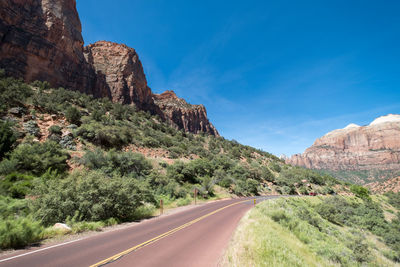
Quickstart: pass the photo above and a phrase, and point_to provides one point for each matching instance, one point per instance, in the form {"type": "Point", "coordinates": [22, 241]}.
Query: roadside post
{"type": "Point", "coordinates": [255, 201]}
{"type": "Point", "coordinates": [195, 196]}
{"type": "Point", "coordinates": [161, 206]}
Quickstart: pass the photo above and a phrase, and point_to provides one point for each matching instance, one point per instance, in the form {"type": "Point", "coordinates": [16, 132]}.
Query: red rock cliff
{"type": "Point", "coordinates": [376, 146]}
{"type": "Point", "coordinates": [123, 72]}
{"type": "Point", "coordinates": [41, 40]}
{"type": "Point", "coordinates": [191, 118]}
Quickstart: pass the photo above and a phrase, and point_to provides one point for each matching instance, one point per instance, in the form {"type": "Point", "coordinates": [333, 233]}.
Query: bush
{"type": "Point", "coordinates": [11, 207]}
{"type": "Point", "coordinates": [16, 185]}
{"type": "Point", "coordinates": [123, 163]}
{"type": "Point", "coordinates": [7, 138]}
{"type": "Point", "coordinates": [360, 191]}
{"type": "Point", "coordinates": [112, 136]}
{"type": "Point", "coordinates": [275, 167]}
{"type": "Point", "coordinates": [36, 158]}
{"type": "Point", "coordinates": [19, 232]}
{"type": "Point", "coordinates": [73, 115]}
{"type": "Point", "coordinates": [13, 92]}
{"type": "Point", "coordinates": [93, 196]}
{"type": "Point", "coordinates": [394, 199]}
{"type": "Point", "coordinates": [55, 129]}
{"type": "Point", "coordinates": [42, 85]}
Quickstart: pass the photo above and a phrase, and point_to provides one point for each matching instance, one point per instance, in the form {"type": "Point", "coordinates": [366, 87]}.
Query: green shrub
{"type": "Point", "coordinates": [275, 167]}
{"type": "Point", "coordinates": [394, 199]}
{"type": "Point", "coordinates": [73, 115]}
{"type": "Point", "coordinates": [55, 129]}
{"type": "Point", "coordinates": [16, 185]}
{"type": "Point", "coordinates": [7, 138]}
{"type": "Point", "coordinates": [42, 85]}
{"type": "Point", "coordinates": [107, 136]}
{"type": "Point", "coordinates": [11, 207]}
{"type": "Point", "coordinates": [19, 232]}
{"type": "Point", "coordinates": [360, 191]}
{"type": "Point", "coordinates": [92, 195]}
{"type": "Point", "coordinates": [123, 163]}
{"type": "Point", "coordinates": [36, 158]}
{"type": "Point", "coordinates": [13, 92]}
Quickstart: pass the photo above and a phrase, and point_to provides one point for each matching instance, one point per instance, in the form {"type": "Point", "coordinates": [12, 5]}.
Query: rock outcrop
{"type": "Point", "coordinates": [375, 146]}
{"type": "Point", "coordinates": [41, 40]}
{"type": "Point", "coordinates": [123, 73]}
{"type": "Point", "coordinates": [191, 118]}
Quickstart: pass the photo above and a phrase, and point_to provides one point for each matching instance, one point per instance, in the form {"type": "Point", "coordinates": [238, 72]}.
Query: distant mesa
{"type": "Point", "coordinates": [375, 146]}
{"type": "Point", "coordinates": [42, 40]}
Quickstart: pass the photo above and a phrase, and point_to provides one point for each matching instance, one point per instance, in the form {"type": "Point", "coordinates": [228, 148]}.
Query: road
{"type": "Point", "coordinates": [194, 237]}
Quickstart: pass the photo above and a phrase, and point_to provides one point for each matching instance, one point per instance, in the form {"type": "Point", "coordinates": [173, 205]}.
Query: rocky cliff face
{"type": "Point", "coordinates": [191, 118]}
{"type": "Point", "coordinates": [375, 146]}
{"type": "Point", "coordinates": [123, 72]}
{"type": "Point", "coordinates": [41, 40]}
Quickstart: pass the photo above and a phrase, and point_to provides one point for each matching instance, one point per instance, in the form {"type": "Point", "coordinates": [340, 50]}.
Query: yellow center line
{"type": "Point", "coordinates": [123, 253]}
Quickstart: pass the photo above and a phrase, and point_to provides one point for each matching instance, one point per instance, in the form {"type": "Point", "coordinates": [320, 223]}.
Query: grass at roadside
{"type": "Point", "coordinates": [17, 233]}
{"type": "Point", "coordinates": [292, 232]}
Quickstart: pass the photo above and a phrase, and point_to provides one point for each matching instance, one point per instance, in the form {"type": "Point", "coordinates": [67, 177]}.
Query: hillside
{"type": "Point", "coordinates": [42, 40]}
{"type": "Point", "coordinates": [323, 231]}
{"type": "Point", "coordinates": [359, 154]}
{"type": "Point", "coordinates": [69, 157]}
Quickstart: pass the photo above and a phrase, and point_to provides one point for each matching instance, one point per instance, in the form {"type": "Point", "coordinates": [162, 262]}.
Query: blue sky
{"type": "Point", "coordinates": [275, 75]}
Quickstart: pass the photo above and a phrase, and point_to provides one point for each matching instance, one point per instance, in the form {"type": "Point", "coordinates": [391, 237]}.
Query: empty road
{"type": "Point", "coordinates": [194, 237]}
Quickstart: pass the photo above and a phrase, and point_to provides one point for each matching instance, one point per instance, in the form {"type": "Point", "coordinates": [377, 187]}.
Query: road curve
{"type": "Point", "coordinates": [194, 237]}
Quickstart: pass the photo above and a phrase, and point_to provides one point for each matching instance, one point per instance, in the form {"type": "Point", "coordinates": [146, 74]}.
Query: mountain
{"type": "Point", "coordinates": [373, 150]}
{"type": "Point", "coordinates": [42, 40]}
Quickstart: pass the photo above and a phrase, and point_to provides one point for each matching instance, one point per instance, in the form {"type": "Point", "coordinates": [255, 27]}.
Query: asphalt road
{"type": "Point", "coordinates": [194, 237]}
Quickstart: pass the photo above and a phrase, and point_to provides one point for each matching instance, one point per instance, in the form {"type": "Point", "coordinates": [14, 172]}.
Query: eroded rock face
{"type": "Point", "coordinates": [191, 118]}
{"type": "Point", "coordinates": [41, 40]}
{"type": "Point", "coordinates": [376, 146]}
{"type": "Point", "coordinates": [123, 73]}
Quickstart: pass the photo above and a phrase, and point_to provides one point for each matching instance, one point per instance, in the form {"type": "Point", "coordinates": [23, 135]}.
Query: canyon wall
{"type": "Point", "coordinates": [42, 40]}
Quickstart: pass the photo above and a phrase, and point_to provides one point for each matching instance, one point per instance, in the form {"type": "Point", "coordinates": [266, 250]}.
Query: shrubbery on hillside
{"type": "Point", "coordinates": [91, 196]}
{"type": "Point", "coordinates": [35, 158]}
{"type": "Point", "coordinates": [110, 176]}
{"type": "Point", "coordinates": [321, 231]}
{"type": "Point", "coordinates": [7, 138]}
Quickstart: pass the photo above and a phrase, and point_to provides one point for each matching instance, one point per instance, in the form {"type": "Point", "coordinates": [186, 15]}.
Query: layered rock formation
{"type": "Point", "coordinates": [191, 118]}
{"type": "Point", "coordinates": [41, 40]}
{"type": "Point", "coordinates": [123, 73]}
{"type": "Point", "coordinates": [375, 146]}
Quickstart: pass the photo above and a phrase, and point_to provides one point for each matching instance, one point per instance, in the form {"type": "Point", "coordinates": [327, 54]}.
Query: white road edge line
{"type": "Point", "coordinates": [69, 242]}
{"type": "Point", "coordinates": [58, 245]}
{"type": "Point", "coordinates": [35, 251]}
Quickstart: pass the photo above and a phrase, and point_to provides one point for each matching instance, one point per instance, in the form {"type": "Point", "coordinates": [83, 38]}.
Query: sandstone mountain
{"type": "Point", "coordinates": [191, 118]}
{"type": "Point", "coordinates": [376, 145]}
{"type": "Point", "coordinates": [42, 40]}
{"type": "Point", "coordinates": [356, 148]}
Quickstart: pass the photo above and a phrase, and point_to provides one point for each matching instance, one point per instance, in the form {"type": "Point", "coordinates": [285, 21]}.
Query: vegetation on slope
{"type": "Point", "coordinates": [67, 157]}
{"type": "Point", "coordinates": [369, 178]}
{"type": "Point", "coordinates": [322, 231]}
